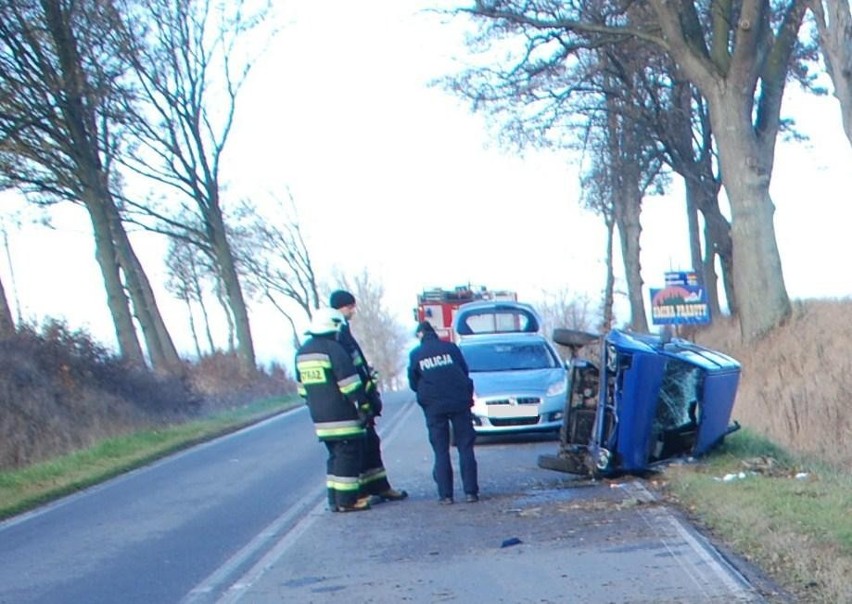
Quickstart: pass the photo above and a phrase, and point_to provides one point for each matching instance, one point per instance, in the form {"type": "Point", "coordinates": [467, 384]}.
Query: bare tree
{"type": "Point", "coordinates": [186, 269]}
{"type": "Point", "coordinates": [192, 62]}
{"type": "Point", "coordinates": [274, 259]}
{"type": "Point", "coordinates": [597, 195]}
{"type": "Point", "coordinates": [834, 25]}
{"type": "Point", "coordinates": [565, 309]}
{"type": "Point", "coordinates": [381, 337]}
{"type": "Point", "coordinates": [60, 83]}
{"type": "Point", "coordinates": [738, 56]}
{"type": "Point", "coordinates": [625, 104]}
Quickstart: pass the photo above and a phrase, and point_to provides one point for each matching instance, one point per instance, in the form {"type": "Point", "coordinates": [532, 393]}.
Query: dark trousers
{"type": "Point", "coordinates": [464, 436]}
{"type": "Point", "coordinates": [343, 470]}
{"type": "Point", "coordinates": [374, 477]}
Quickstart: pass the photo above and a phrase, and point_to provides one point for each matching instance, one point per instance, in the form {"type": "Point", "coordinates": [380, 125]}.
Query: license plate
{"type": "Point", "coordinates": [503, 411]}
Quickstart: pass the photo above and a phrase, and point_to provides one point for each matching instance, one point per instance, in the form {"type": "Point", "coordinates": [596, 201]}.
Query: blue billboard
{"type": "Point", "coordinates": [681, 302]}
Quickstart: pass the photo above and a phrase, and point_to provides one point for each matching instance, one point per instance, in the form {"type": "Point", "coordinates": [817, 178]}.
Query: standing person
{"type": "Point", "coordinates": [374, 477]}
{"type": "Point", "coordinates": [338, 403]}
{"type": "Point", "coordinates": [438, 373]}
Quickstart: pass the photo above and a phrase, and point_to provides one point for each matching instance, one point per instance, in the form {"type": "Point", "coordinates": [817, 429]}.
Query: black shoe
{"type": "Point", "coordinates": [393, 495]}
{"type": "Point", "coordinates": [446, 501]}
{"type": "Point", "coordinates": [471, 498]}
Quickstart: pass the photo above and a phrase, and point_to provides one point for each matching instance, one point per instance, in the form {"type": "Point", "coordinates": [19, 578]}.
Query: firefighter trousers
{"type": "Point", "coordinates": [343, 471]}
{"type": "Point", "coordinates": [374, 477]}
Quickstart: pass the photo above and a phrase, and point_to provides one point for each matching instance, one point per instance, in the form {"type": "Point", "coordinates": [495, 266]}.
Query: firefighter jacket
{"type": "Point", "coordinates": [438, 373]}
{"type": "Point", "coordinates": [332, 388]}
{"type": "Point", "coordinates": [371, 388]}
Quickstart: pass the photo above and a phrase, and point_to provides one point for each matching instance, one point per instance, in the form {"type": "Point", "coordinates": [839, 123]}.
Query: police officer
{"type": "Point", "coordinates": [338, 405]}
{"type": "Point", "coordinates": [438, 373]}
{"type": "Point", "coordinates": [374, 477]}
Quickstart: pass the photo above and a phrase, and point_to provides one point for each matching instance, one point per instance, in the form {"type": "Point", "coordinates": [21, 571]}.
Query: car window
{"type": "Point", "coordinates": [497, 322]}
{"type": "Point", "coordinates": [501, 356]}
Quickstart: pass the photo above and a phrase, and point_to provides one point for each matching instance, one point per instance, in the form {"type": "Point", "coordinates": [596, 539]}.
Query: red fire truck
{"type": "Point", "coordinates": [438, 306]}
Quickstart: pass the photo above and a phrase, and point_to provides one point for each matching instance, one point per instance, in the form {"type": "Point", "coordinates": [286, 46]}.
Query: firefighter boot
{"type": "Point", "coordinates": [393, 495]}
{"type": "Point", "coordinates": [360, 505]}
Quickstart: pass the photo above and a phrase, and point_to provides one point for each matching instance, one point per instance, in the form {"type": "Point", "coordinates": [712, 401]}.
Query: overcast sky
{"type": "Point", "coordinates": [399, 178]}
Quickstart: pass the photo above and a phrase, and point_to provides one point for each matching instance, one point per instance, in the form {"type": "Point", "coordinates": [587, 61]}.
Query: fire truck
{"type": "Point", "coordinates": [439, 306]}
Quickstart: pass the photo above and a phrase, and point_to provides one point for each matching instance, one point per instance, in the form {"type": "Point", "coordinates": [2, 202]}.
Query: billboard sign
{"type": "Point", "coordinates": [681, 302]}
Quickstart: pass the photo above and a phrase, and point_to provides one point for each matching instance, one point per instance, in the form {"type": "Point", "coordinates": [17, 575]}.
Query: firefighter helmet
{"type": "Point", "coordinates": [326, 320]}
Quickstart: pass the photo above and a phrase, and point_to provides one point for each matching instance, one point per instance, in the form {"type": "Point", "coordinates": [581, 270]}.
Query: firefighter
{"type": "Point", "coordinates": [338, 405]}
{"type": "Point", "coordinates": [374, 478]}
{"type": "Point", "coordinates": [438, 373]}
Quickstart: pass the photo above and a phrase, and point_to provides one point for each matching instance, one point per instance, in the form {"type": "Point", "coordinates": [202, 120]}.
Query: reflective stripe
{"type": "Point", "coordinates": [350, 384]}
{"type": "Point", "coordinates": [343, 483]}
{"type": "Point", "coordinates": [373, 475]}
{"type": "Point", "coordinates": [303, 392]}
{"type": "Point", "coordinates": [313, 368]}
{"type": "Point", "coordinates": [311, 357]}
{"type": "Point", "coordinates": [339, 430]}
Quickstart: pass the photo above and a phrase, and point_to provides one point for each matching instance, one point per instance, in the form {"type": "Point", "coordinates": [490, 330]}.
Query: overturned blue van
{"type": "Point", "coordinates": [648, 400]}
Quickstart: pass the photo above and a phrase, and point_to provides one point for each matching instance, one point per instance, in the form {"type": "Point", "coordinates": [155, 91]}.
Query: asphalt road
{"type": "Point", "coordinates": [244, 519]}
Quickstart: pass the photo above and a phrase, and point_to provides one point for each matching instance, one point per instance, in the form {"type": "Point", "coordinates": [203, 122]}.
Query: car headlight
{"type": "Point", "coordinates": [557, 388]}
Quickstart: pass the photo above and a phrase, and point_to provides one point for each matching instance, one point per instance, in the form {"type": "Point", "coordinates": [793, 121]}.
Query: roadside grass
{"type": "Point", "coordinates": [27, 488]}
{"type": "Point", "coordinates": [791, 515]}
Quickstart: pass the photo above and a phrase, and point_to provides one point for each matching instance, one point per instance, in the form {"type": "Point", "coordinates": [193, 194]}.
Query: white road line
{"type": "Point", "coordinates": [736, 585]}
{"type": "Point", "coordinates": [215, 582]}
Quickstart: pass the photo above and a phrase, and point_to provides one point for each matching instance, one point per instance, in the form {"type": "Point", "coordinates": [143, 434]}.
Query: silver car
{"type": "Point", "coordinates": [520, 382]}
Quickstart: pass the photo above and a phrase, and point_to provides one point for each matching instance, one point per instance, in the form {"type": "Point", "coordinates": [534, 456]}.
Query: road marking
{"type": "Point", "coordinates": [220, 577]}
{"type": "Point", "coordinates": [709, 558]}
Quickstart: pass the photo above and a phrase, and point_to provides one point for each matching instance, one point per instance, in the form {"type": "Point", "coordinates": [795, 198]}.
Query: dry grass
{"type": "Point", "coordinates": [794, 391]}
{"type": "Point", "coordinates": [797, 382]}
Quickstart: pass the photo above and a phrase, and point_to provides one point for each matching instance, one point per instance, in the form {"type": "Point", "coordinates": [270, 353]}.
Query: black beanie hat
{"type": "Point", "coordinates": [424, 327]}
{"type": "Point", "coordinates": [341, 298]}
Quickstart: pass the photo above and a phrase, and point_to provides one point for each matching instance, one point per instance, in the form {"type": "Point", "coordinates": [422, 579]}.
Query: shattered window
{"type": "Point", "coordinates": [680, 396]}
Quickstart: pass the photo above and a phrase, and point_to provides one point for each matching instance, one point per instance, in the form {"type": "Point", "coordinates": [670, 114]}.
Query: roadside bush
{"type": "Point", "coordinates": [61, 391]}
{"type": "Point", "coordinates": [221, 382]}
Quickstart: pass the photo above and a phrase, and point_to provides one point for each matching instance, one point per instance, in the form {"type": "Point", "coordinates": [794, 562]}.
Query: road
{"type": "Point", "coordinates": [243, 519]}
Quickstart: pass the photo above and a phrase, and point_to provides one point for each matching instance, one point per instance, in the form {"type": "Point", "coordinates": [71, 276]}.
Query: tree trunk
{"type": "Point", "coordinates": [747, 167]}
{"type": "Point", "coordinates": [834, 23]}
{"type": "Point", "coordinates": [609, 288]}
{"type": "Point", "coordinates": [161, 349]}
{"type": "Point", "coordinates": [125, 331]}
{"type": "Point", "coordinates": [717, 240]}
{"type": "Point", "coordinates": [629, 228]}
{"type": "Point", "coordinates": [233, 291]}
{"type": "Point", "coordinates": [7, 323]}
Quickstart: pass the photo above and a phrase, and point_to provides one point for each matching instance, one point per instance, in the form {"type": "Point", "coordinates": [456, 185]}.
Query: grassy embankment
{"type": "Point", "coordinates": [789, 515]}
{"type": "Point", "coordinates": [26, 488]}
{"type": "Point", "coordinates": [780, 491]}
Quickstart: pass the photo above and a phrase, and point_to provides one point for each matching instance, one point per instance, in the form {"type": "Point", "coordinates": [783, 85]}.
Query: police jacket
{"type": "Point", "coordinates": [438, 373]}
{"type": "Point", "coordinates": [331, 387]}
{"type": "Point", "coordinates": [364, 370]}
